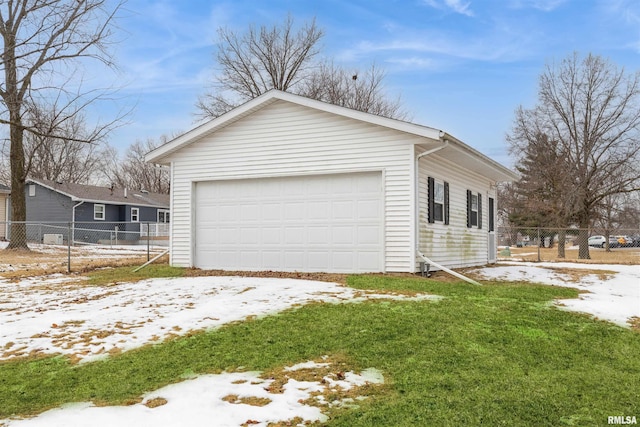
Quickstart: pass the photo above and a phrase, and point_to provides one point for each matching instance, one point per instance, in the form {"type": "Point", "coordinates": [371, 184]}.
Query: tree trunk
{"type": "Point", "coordinates": [562, 236]}
{"type": "Point", "coordinates": [583, 236]}
{"type": "Point", "coordinates": [18, 203]}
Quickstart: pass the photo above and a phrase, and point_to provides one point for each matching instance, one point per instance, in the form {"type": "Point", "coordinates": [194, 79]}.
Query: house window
{"type": "Point", "coordinates": [135, 214]}
{"type": "Point", "coordinates": [98, 212]}
{"type": "Point", "coordinates": [32, 190]}
{"type": "Point", "coordinates": [163, 216]}
{"type": "Point", "coordinates": [438, 201]}
{"type": "Point", "coordinates": [474, 209]}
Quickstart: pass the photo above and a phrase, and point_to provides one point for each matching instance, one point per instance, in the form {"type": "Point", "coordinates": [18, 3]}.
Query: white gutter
{"type": "Point", "coordinates": [73, 221]}
{"type": "Point", "coordinates": [445, 143]}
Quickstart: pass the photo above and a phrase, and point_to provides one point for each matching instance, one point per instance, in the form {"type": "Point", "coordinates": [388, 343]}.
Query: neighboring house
{"type": "Point", "coordinates": [92, 208]}
{"type": "Point", "coordinates": [5, 192]}
{"type": "Point", "coordinates": [288, 183]}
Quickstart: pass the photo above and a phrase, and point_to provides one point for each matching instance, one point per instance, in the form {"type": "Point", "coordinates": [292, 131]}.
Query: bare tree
{"type": "Point", "coordinates": [355, 90]}
{"type": "Point", "coordinates": [43, 42]}
{"type": "Point", "coordinates": [61, 154]}
{"type": "Point", "coordinates": [260, 60]}
{"type": "Point", "coordinates": [281, 58]}
{"type": "Point", "coordinates": [590, 109]}
{"type": "Point", "coordinates": [134, 172]}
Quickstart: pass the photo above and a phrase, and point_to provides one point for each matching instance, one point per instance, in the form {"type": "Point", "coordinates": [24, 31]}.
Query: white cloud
{"type": "Point", "coordinates": [456, 6]}
{"type": "Point", "coordinates": [459, 7]}
{"type": "Point", "coordinates": [543, 5]}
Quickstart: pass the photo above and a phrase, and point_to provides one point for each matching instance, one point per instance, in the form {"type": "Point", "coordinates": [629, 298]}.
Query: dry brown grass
{"type": "Point", "coordinates": [15, 264]}
{"type": "Point", "coordinates": [626, 256]}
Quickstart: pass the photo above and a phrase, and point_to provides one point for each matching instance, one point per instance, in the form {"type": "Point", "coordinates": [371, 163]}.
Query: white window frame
{"type": "Point", "coordinates": [438, 199]}
{"type": "Point", "coordinates": [135, 214]}
{"type": "Point", "coordinates": [166, 213]}
{"type": "Point", "coordinates": [474, 201]}
{"type": "Point", "coordinates": [99, 215]}
{"type": "Point", "coordinates": [32, 190]}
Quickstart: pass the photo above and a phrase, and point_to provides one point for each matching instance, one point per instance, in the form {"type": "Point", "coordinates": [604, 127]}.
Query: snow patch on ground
{"type": "Point", "coordinates": [221, 400]}
{"type": "Point", "coordinates": [612, 291]}
{"type": "Point", "coordinates": [56, 314]}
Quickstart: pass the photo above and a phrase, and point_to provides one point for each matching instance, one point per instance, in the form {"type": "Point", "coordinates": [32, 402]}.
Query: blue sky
{"type": "Point", "coordinates": [462, 66]}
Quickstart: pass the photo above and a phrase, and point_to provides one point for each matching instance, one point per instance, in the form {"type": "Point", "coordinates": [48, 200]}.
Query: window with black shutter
{"type": "Point", "coordinates": [474, 209]}
{"type": "Point", "coordinates": [438, 195]}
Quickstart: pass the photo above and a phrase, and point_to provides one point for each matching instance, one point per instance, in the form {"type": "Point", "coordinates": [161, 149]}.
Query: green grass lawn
{"type": "Point", "coordinates": [492, 355]}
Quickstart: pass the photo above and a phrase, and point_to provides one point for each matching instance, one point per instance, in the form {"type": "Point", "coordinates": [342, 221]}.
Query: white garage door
{"type": "Point", "coordinates": [330, 223]}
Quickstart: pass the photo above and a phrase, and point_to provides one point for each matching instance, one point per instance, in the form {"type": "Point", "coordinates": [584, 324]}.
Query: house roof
{"type": "Point", "coordinates": [455, 149]}
{"type": "Point", "coordinates": [94, 194]}
{"type": "Point", "coordinates": [4, 189]}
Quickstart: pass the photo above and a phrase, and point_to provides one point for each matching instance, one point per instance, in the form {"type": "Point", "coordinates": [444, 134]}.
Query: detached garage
{"type": "Point", "coordinates": [288, 183]}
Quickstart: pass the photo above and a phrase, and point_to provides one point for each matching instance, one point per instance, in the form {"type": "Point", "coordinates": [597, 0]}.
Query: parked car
{"type": "Point", "coordinates": [614, 241]}
{"type": "Point", "coordinates": [597, 241]}
{"type": "Point", "coordinates": [635, 241]}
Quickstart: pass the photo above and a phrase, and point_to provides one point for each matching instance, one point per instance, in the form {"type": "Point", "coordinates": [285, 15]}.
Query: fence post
{"type": "Point", "coordinates": [148, 243]}
{"type": "Point", "coordinates": [69, 248]}
{"type": "Point", "coordinates": [539, 242]}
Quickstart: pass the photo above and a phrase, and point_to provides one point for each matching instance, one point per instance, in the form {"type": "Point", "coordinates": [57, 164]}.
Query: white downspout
{"type": "Point", "coordinates": [417, 199]}
{"type": "Point", "coordinates": [73, 221]}
{"type": "Point", "coordinates": [6, 214]}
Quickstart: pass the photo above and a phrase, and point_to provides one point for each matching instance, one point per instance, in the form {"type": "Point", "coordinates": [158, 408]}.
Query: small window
{"type": "Point", "coordinates": [98, 212]}
{"type": "Point", "coordinates": [32, 190]}
{"type": "Point", "coordinates": [438, 201]}
{"type": "Point", "coordinates": [163, 216]}
{"type": "Point", "coordinates": [135, 214]}
{"type": "Point", "coordinates": [474, 209]}
{"type": "Point", "coordinates": [438, 193]}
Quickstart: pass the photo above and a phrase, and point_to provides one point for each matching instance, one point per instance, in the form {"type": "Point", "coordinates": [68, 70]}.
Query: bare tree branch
{"type": "Point", "coordinates": [42, 39]}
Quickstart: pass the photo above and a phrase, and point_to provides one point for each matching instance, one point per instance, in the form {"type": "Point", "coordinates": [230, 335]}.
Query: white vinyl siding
{"type": "Point", "coordinates": [284, 139]}
{"type": "Point", "coordinates": [453, 245]}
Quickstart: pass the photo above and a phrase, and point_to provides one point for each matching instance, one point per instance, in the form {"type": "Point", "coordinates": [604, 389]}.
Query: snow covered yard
{"type": "Point", "coordinates": [610, 291]}
{"type": "Point", "coordinates": [62, 314]}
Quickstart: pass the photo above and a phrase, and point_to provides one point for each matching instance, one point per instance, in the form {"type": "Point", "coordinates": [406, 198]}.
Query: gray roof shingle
{"type": "Point", "coordinates": [91, 193]}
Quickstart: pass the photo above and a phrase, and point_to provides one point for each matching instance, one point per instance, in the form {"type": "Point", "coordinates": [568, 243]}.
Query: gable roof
{"type": "Point", "coordinates": [4, 189]}
{"type": "Point", "coordinates": [104, 195]}
{"type": "Point", "coordinates": [455, 149]}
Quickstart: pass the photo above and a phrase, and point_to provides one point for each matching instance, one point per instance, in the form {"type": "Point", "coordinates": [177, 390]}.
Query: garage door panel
{"type": "Point", "coordinates": [311, 223]}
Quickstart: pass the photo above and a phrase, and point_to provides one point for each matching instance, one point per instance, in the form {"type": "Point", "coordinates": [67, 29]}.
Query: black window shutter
{"type": "Point", "coordinates": [491, 214]}
{"type": "Point", "coordinates": [432, 206]}
{"type": "Point", "coordinates": [479, 210]}
{"type": "Point", "coordinates": [468, 208]}
{"type": "Point", "coordinates": [446, 203]}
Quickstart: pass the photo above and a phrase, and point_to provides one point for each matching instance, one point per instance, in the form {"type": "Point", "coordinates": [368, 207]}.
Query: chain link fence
{"type": "Point", "coordinates": [77, 239]}
{"type": "Point", "coordinates": [568, 244]}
